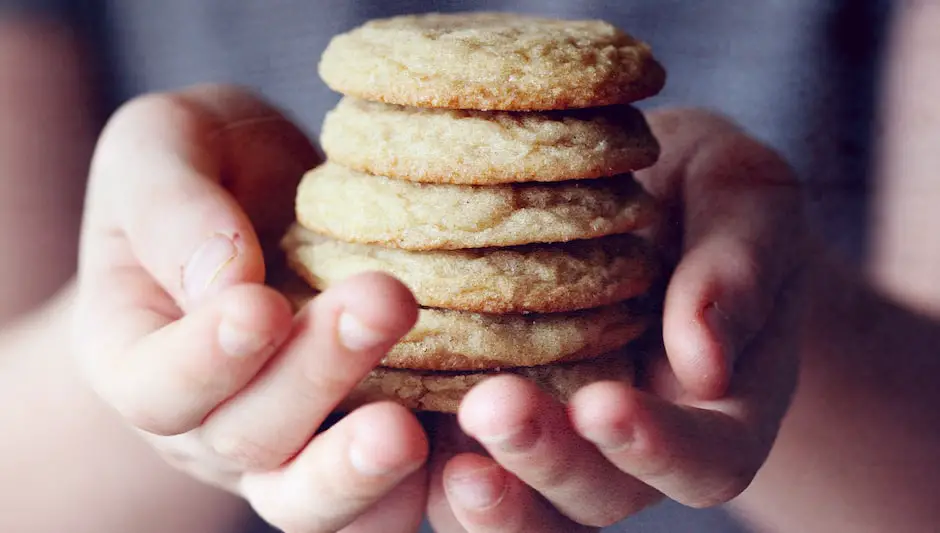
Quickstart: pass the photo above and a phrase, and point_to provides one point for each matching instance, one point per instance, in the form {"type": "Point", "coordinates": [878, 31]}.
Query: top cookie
{"type": "Point", "coordinates": [491, 61]}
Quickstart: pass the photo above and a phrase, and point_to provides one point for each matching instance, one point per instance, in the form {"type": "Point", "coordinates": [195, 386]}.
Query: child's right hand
{"type": "Point", "coordinates": [177, 333]}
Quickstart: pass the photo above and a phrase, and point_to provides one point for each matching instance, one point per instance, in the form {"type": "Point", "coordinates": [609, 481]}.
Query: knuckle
{"type": "Point", "coordinates": [712, 120]}
{"type": "Point", "coordinates": [171, 404]}
{"type": "Point", "coordinates": [607, 518]}
{"type": "Point", "coordinates": [322, 385]}
{"type": "Point", "coordinates": [741, 270]}
{"type": "Point", "coordinates": [701, 122]}
{"type": "Point", "coordinates": [355, 492]}
{"type": "Point", "coordinates": [292, 523]}
{"type": "Point", "coordinates": [749, 297]}
{"type": "Point", "coordinates": [202, 387]}
{"type": "Point", "coordinates": [728, 485]}
{"type": "Point", "coordinates": [283, 518]}
{"type": "Point", "coordinates": [728, 475]}
{"type": "Point", "coordinates": [553, 475]}
{"type": "Point", "coordinates": [754, 162]}
{"type": "Point", "coordinates": [747, 268]}
{"type": "Point", "coordinates": [246, 453]}
{"type": "Point", "coordinates": [127, 118]}
{"type": "Point", "coordinates": [730, 488]}
{"type": "Point", "coordinates": [151, 419]}
{"type": "Point", "coordinates": [651, 457]}
{"type": "Point", "coordinates": [132, 125]}
{"type": "Point", "coordinates": [633, 501]}
{"type": "Point", "coordinates": [656, 466]}
{"type": "Point", "coordinates": [139, 405]}
{"type": "Point", "coordinates": [296, 514]}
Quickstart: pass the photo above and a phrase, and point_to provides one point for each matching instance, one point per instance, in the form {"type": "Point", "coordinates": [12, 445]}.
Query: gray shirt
{"type": "Point", "coordinates": [799, 74]}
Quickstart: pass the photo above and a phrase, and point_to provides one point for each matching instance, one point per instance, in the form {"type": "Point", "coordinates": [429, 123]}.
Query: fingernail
{"type": "Point", "coordinates": [719, 325]}
{"type": "Point", "coordinates": [365, 463]}
{"type": "Point", "coordinates": [239, 342]}
{"type": "Point", "coordinates": [358, 337]}
{"type": "Point", "coordinates": [480, 489]}
{"type": "Point", "coordinates": [206, 264]}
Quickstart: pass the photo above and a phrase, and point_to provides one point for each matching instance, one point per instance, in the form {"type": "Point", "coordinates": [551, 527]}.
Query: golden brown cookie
{"type": "Point", "coordinates": [486, 148]}
{"type": "Point", "coordinates": [491, 61]}
{"type": "Point", "coordinates": [356, 207]}
{"type": "Point", "coordinates": [457, 340]}
{"type": "Point", "coordinates": [444, 340]}
{"type": "Point", "coordinates": [442, 392]}
{"type": "Point", "coordinates": [548, 278]}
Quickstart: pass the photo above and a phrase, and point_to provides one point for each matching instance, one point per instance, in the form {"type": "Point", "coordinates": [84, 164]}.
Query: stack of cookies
{"type": "Point", "coordinates": [485, 160]}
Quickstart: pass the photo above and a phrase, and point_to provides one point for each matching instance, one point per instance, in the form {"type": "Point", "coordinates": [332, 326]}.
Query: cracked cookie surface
{"type": "Point", "coordinates": [442, 392]}
{"type": "Point", "coordinates": [357, 207]}
{"type": "Point", "coordinates": [491, 61]}
{"type": "Point", "coordinates": [444, 340]}
{"type": "Point", "coordinates": [484, 148]}
{"type": "Point", "coordinates": [525, 279]}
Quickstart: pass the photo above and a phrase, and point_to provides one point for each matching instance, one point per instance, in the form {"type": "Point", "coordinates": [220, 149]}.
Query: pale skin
{"type": "Point", "coordinates": [134, 280]}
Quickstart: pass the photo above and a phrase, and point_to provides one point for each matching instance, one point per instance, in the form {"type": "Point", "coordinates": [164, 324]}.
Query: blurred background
{"type": "Point", "coordinates": [799, 74]}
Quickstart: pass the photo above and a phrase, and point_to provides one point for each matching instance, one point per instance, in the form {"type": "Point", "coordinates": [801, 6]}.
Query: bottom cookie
{"type": "Point", "coordinates": [443, 391]}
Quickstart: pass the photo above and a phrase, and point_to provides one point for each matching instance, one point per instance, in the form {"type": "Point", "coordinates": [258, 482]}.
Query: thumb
{"type": "Point", "coordinates": [181, 181]}
{"type": "Point", "coordinates": [741, 214]}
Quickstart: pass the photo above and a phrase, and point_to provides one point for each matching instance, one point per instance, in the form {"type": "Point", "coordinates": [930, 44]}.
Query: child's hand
{"type": "Point", "coordinates": [731, 339]}
{"type": "Point", "coordinates": [178, 334]}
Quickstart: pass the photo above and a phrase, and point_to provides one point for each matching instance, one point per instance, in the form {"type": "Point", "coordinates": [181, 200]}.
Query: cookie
{"type": "Point", "coordinates": [445, 340]}
{"type": "Point", "coordinates": [442, 392]}
{"type": "Point", "coordinates": [491, 61]}
{"type": "Point", "coordinates": [356, 207]}
{"type": "Point", "coordinates": [525, 279]}
{"type": "Point", "coordinates": [486, 148]}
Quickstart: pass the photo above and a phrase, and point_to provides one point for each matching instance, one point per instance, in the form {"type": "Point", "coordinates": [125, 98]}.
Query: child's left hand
{"type": "Point", "coordinates": [712, 412]}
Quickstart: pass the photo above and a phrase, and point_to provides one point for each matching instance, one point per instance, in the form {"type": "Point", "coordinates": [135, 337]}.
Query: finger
{"type": "Point", "coordinates": [701, 453]}
{"type": "Point", "coordinates": [400, 511]}
{"type": "Point", "coordinates": [484, 498]}
{"type": "Point", "coordinates": [168, 381]}
{"type": "Point", "coordinates": [447, 441]}
{"type": "Point", "coordinates": [338, 339]}
{"type": "Point", "coordinates": [529, 434]}
{"type": "Point", "coordinates": [698, 457]}
{"type": "Point", "coordinates": [742, 218]}
{"type": "Point", "coordinates": [159, 193]}
{"type": "Point", "coordinates": [342, 473]}
{"type": "Point", "coordinates": [475, 486]}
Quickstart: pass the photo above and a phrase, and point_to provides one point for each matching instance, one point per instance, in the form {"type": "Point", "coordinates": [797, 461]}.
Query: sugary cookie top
{"type": "Point", "coordinates": [491, 61]}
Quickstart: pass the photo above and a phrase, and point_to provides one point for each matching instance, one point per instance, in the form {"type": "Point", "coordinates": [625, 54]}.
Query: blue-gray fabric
{"type": "Point", "coordinates": [799, 74]}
